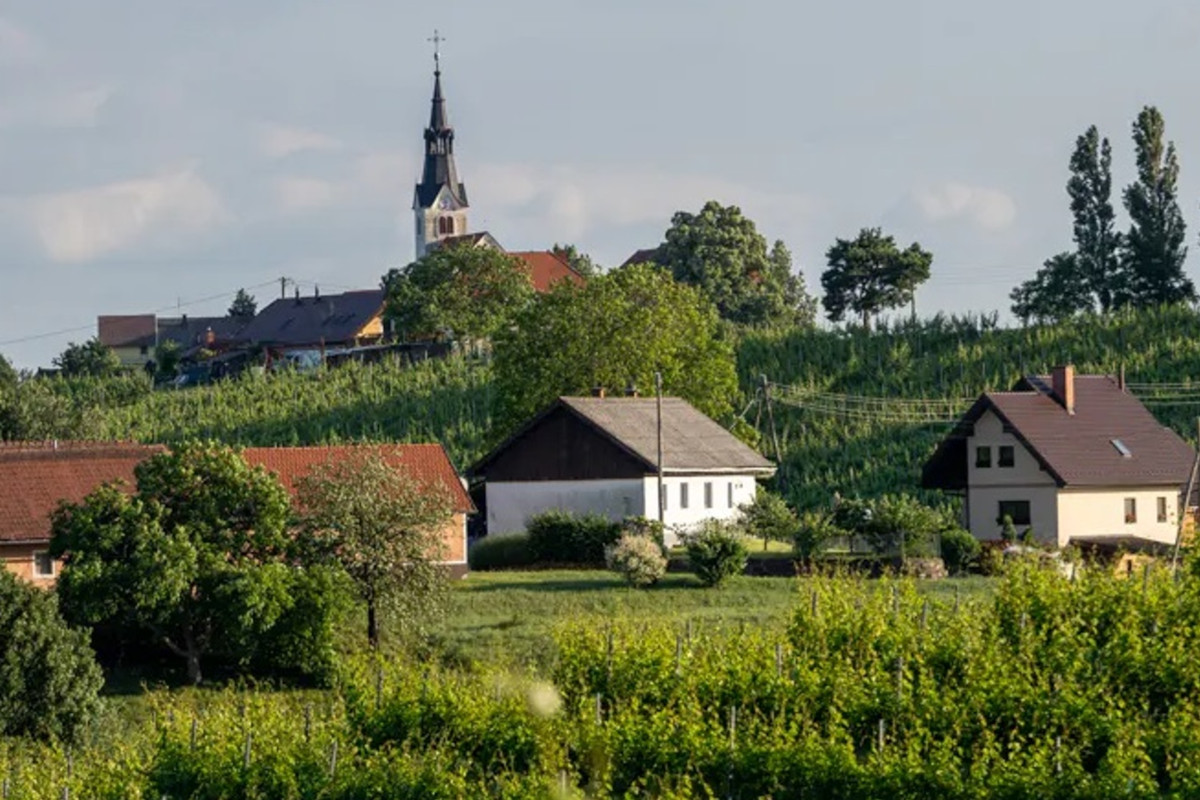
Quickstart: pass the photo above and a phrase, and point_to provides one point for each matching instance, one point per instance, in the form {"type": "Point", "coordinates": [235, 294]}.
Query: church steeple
{"type": "Point", "coordinates": [440, 200]}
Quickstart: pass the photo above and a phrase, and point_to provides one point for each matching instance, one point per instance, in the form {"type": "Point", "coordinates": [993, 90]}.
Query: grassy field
{"type": "Point", "coordinates": [510, 617]}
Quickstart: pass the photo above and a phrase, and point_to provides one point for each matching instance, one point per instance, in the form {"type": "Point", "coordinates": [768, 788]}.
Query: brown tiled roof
{"type": "Point", "coordinates": [426, 463]}
{"type": "Point", "coordinates": [128, 330]}
{"type": "Point", "coordinates": [36, 477]}
{"type": "Point", "coordinates": [547, 268]}
{"type": "Point", "coordinates": [647, 255]}
{"type": "Point", "coordinates": [1075, 449]}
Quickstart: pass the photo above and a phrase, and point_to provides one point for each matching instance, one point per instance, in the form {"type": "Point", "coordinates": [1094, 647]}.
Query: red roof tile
{"type": "Point", "coordinates": [36, 477]}
{"type": "Point", "coordinates": [427, 463]}
{"type": "Point", "coordinates": [125, 330]}
{"type": "Point", "coordinates": [547, 268]}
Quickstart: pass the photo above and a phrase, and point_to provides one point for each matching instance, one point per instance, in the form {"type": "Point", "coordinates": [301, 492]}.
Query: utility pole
{"type": "Point", "coordinates": [1183, 507]}
{"type": "Point", "coordinates": [766, 391]}
{"type": "Point", "coordinates": [283, 288]}
{"type": "Point", "coordinates": [662, 499]}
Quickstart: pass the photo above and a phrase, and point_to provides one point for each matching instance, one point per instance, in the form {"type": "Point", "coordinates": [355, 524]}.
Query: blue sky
{"type": "Point", "coordinates": [155, 152]}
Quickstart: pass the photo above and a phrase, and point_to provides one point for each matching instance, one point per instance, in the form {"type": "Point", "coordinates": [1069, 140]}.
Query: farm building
{"type": "Point", "coordinates": [1075, 458]}
{"type": "Point", "coordinates": [36, 477]}
{"type": "Point", "coordinates": [600, 455]}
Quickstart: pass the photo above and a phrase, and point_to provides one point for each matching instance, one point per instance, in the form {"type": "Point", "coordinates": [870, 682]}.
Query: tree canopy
{"type": "Point", "coordinates": [244, 306]}
{"type": "Point", "coordinates": [721, 252]}
{"type": "Point", "coordinates": [1059, 290]}
{"type": "Point", "coordinates": [1097, 242]}
{"type": "Point", "coordinates": [384, 528]}
{"type": "Point", "coordinates": [580, 261]}
{"type": "Point", "coordinates": [8, 375]}
{"type": "Point", "coordinates": [197, 556]}
{"type": "Point", "coordinates": [870, 274]}
{"type": "Point", "coordinates": [457, 292]}
{"type": "Point", "coordinates": [616, 330]}
{"type": "Point", "coordinates": [90, 358]}
{"type": "Point", "coordinates": [1154, 249]}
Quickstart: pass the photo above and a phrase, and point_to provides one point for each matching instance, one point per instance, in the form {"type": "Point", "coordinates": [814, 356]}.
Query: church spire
{"type": "Point", "coordinates": [439, 184]}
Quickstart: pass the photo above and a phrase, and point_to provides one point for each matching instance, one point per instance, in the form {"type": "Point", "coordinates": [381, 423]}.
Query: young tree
{"type": "Point", "coordinates": [196, 557]}
{"type": "Point", "coordinates": [721, 251]}
{"type": "Point", "coordinates": [1058, 291]}
{"type": "Point", "coordinates": [90, 358]}
{"type": "Point", "coordinates": [384, 528]}
{"type": "Point", "coordinates": [1154, 250]}
{"type": "Point", "coordinates": [870, 274]}
{"type": "Point", "coordinates": [768, 517]}
{"type": "Point", "coordinates": [615, 331]}
{"type": "Point", "coordinates": [8, 375]}
{"type": "Point", "coordinates": [243, 307]}
{"type": "Point", "coordinates": [49, 680]}
{"type": "Point", "coordinates": [1097, 242]}
{"type": "Point", "coordinates": [457, 292]}
{"type": "Point", "coordinates": [580, 262]}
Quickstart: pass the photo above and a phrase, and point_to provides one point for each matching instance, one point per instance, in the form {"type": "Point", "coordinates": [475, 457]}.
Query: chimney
{"type": "Point", "coordinates": [1121, 378]}
{"type": "Point", "coordinates": [1063, 383]}
{"type": "Point", "coordinates": [297, 295]}
{"type": "Point", "coordinates": [316, 292]}
{"type": "Point", "coordinates": [598, 391]}
{"type": "Point", "coordinates": [210, 338]}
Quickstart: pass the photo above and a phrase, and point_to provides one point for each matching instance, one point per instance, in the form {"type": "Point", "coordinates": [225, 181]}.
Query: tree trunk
{"type": "Point", "coordinates": [372, 625]}
{"type": "Point", "coordinates": [867, 321]}
{"type": "Point", "coordinates": [193, 667]}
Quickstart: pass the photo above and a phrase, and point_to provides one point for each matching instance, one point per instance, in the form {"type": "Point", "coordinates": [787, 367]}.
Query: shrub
{"type": "Point", "coordinates": [643, 526]}
{"type": "Point", "coordinates": [501, 551]}
{"type": "Point", "coordinates": [716, 550]}
{"type": "Point", "coordinates": [814, 529]}
{"type": "Point", "coordinates": [560, 537]}
{"type": "Point", "coordinates": [49, 680]}
{"type": "Point", "coordinates": [639, 559]}
{"type": "Point", "coordinates": [902, 523]}
{"type": "Point", "coordinates": [960, 550]}
{"type": "Point", "coordinates": [768, 518]}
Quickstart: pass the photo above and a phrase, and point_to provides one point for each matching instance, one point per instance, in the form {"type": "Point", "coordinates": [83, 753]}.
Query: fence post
{"type": "Point", "coordinates": [678, 655]}
{"type": "Point", "coordinates": [609, 657]}
{"type": "Point", "coordinates": [246, 751]}
{"type": "Point", "coordinates": [192, 737]}
{"type": "Point", "coordinates": [307, 722]}
{"type": "Point", "coordinates": [880, 734]}
{"type": "Point", "coordinates": [599, 709]}
{"type": "Point", "coordinates": [732, 726]}
{"type": "Point", "coordinates": [900, 678]}
{"type": "Point", "coordinates": [924, 615]}
{"type": "Point", "coordinates": [778, 659]}
{"type": "Point", "coordinates": [378, 687]}
{"type": "Point", "coordinates": [333, 758]}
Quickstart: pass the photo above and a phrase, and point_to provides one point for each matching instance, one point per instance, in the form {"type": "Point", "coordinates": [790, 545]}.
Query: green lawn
{"type": "Point", "coordinates": [509, 617]}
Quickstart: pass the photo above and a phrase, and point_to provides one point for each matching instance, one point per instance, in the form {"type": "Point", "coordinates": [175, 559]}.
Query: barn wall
{"type": "Point", "coordinates": [561, 447]}
{"type": "Point", "coordinates": [510, 504]}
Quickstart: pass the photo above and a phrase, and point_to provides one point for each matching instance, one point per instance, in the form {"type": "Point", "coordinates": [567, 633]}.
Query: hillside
{"type": "Point", "coordinates": [830, 441]}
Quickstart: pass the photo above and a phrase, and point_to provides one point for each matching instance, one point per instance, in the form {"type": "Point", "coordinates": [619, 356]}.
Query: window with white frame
{"type": "Point", "coordinates": [43, 565]}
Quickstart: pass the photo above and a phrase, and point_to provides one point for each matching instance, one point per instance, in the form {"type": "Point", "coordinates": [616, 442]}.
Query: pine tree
{"type": "Point", "coordinates": [243, 306]}
{"type": "Point", "coordinates": [1154, 250]}
{"type": "Point", "coordinates": [1097, 242]}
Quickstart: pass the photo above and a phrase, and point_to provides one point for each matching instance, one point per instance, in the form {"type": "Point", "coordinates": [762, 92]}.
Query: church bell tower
{"type": "Point", "coordinates": [440, 201]}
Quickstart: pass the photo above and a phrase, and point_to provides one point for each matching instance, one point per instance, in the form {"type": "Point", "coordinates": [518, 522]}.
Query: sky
{"type": "Point", "coordinates": [158, 155]}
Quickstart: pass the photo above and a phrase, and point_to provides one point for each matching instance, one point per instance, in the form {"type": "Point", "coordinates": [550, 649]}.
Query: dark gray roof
{"type": "Point", "coordinates": [1075, 449]}
{"type": "Point", "coordinates": [334, 319]}
{"type": "Point", "coordinates": [692, 442]}
{"type": "Point", "coordinates": [439, 169]}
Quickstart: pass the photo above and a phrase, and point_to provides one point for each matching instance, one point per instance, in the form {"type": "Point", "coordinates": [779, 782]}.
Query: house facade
{"type": "Point", "coordinates": [600, 455]}
{"type": "Point", "coordinates": [1071, 458]}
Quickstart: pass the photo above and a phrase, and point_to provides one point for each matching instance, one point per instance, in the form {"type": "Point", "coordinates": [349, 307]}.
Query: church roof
{"type": "Point", "coordinates": [439, 170]}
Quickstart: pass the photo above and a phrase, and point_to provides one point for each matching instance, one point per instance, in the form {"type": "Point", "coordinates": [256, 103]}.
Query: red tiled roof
{"type": "Point", "coordinates": [125, 330]}
{"type": "Point", "coordinates": [36, 477]}
{"type": "Point", "coordinates": [547, 268]}
{"type": "Point", "coordinates": [427, 463]}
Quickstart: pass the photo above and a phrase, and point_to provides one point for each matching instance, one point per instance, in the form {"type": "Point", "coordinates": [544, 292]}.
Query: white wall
{"type": "Point", "coordinates": [984, 508]}
{"type": "Point", "coordinates": [510, 504]}
{"type": "Point", "coordinates": [679, 518]}
{"type": "Point", "coordinates": [1100, 512]}
{"type": "Point", "coordinates": [1024, 480]}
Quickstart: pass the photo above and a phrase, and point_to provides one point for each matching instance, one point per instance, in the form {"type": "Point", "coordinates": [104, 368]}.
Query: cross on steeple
{"type": "Point", "coordinates": [437, 40]}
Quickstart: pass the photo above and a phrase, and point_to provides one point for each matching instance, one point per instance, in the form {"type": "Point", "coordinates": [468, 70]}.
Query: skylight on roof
{"type": "Point", "coordinates": [1121, 448]}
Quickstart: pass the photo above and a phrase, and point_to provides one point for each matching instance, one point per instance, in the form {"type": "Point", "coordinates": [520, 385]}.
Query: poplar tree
{"type": "Point", "coordinates": [1097, 242]}
{"type": "Point", "coordinates": [1154, 250]}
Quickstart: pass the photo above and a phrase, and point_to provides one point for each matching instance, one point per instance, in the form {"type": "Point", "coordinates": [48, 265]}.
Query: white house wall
{"type": "Point", "coordinates": [676, 518]}
{"type": "Point", "coordinates": [510, 504]}
{"type": "Point", "coordinates": [1024, 480]}
{"type": "Point", "coordinates": [983, 509]}
{"type": "Point", "coordinates": [1084, 512]}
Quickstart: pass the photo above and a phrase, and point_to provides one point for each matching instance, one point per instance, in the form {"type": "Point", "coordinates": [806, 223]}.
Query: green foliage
{"type": "Point", "coordinates": [615, 331]}
{"type": "Point", "coordinates": [960, 550]}
{"type": "Point", "coordinates": [716, 551]}
{"type": "Point", "coordinates": [8, 376]}
{"type": "Point", "coordinates": [166, 359]}
{"type": "Point", "coordinates": [580, 261]}
{"type": "Point", "coordinates": [457, 293]}
{"type": "Point", "coordinates": [1097, 242]}
{"type": "Point", "coordinates": [560, 537]}
{"type": "Point", "coordinates": [243, 307]}
{"type": "Point", "coordinates": [814, 530]}
{"type": "Point", "coordinates": [49, 680]}
{"type": "Point", "coordinates": [1008, 531]}
{"type": "Point", "coordinates": [383, 527]}
{"type": "Point", "coordinates": [870, 274]}
{"type": "Point", "coordinates": [1154, 250]}
{"type": "Point", "coordinates": [1059, 291]}
{"type": "Point", "coordinates": [638, 559]}
{"type": "Point", "coordinates": [501, 551]}
{"type": "Point", "coordinates": [902, 524]}
{"type": "Point", "coordinates": [768, 517]}
{"type": "Point", "coordinates": [721, 252]}
{"type": "Point", "coordinates": [88, 359]}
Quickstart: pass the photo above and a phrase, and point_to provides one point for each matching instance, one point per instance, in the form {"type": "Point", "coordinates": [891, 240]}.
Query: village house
{"type": "Point", "coordinates": [135, 337]}
{"type": "Point", "coordinates": [600, 455]}
{"type": "Point", "coordinates": [35, 478]}
{"type": "Point", "coordinates": [1075, 458]}
{"type": "Point", "coordinates": [304, 329]}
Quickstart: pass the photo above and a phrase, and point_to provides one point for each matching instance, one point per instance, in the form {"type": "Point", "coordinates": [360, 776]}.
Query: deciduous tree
{"type": "Point", "coordinates": [615, 331]}
{"type": "Point", "coordinates": [721, 251]}
{"type": "Point", "coordinates": [384, 528]}
{"type": "Point", "coordinates": [1059, 290]}
{"type": "Point", "coordinates": [90, 358]}
{"type": "Point", "coordinates": [457, 292]}
{"type": "Point", "coordinates": [580, 261]}
{"type": "Point", "coordinates": [870, 274]}
{"type": "Point", "coordinates": [1154, 249]}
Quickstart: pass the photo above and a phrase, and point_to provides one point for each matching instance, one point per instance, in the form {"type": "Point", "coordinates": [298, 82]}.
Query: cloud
{"type": "Point", "coordinates": [83, 224]}
{"type": "Point", "coordinates": [280, 141]}
{"type": "Point", "coordinates": [989, 209]}
{"type": "Point", "coordinates": [17, 45]}
{"type": "Point", "coordinates": [306, 194]}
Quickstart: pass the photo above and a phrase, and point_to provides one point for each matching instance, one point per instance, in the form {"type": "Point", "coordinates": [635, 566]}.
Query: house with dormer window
{"type": "Point", "coordinates": [1075, 458]}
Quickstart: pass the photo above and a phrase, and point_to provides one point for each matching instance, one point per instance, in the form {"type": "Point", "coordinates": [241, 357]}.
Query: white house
{"type": "Point", "coordinates": [600, 455]}
{"type": "Point", "coordinates": [1075, 458]}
